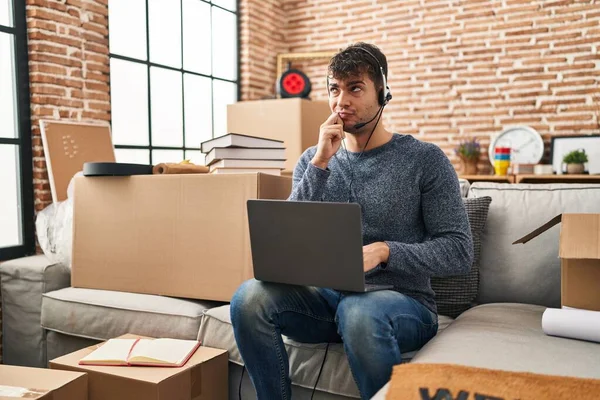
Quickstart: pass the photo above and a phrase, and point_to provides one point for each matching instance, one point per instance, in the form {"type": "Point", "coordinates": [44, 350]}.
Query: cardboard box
{"type": "Point", "coordinates": [203, 377]}
{"type": "Point", "coordinates": [296, 121]}
{"type": "Point", "coordinates": [40, 383]}
{"type": "Point", "coordinates": [68, 145]}
{"type": "Point", "coordinates": [579, 252]}
{"type": "Point", "coordinates": [176, 235]}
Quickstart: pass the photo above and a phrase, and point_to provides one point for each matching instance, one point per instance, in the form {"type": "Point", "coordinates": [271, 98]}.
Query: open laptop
{"type": "Point", "coordinates": [309, 244]}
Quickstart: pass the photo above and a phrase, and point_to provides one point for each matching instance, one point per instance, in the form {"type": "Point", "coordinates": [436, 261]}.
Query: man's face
{"type": "Point", "coordinates": [355, 100]}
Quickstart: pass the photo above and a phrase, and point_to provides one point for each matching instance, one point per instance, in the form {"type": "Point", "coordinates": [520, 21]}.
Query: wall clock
{"type": "Point", "coordinates": [527, 145]}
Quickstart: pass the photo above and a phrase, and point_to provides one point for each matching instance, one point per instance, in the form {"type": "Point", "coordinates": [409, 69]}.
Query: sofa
{"type": "Point", "coordinates": [43, 317]}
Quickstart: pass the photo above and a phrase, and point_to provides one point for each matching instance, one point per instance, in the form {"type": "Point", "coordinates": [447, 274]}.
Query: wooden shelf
{"type": "Point", "coordinates": [557, 178]}
{"type": "Point", "coordinates": [530, 178]}
{"type": "Point", "coordinates": [488, 178]}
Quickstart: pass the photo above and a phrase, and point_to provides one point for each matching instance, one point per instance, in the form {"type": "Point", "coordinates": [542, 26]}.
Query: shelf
{"type": "Point", "coordinates": [557, 178]}
{"type": "Point", "coordinates": [488, 178]}
{"type": "Point", "coordinates": [530, 178]}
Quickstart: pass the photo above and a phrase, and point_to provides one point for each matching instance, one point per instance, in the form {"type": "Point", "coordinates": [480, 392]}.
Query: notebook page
{"type": "Point", "coordinates": [114, 350]}
{"type": "Point", "coordinates": [168, 351]}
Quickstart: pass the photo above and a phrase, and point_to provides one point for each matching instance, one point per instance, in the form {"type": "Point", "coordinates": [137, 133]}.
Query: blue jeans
{"type": "Point", "coordinates": [375, 328]}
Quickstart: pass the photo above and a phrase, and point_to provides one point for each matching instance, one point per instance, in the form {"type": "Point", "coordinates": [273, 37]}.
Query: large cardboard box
{"type": "Point", "coordinates": [579, 252]}
{"type": "Point", "coordinates": [176, 235]}
{"type": "Point", "coordinates": [296, 121]}
{"type": "Point", "coordinates": [40, 383]}
{"type": "Point", "coordinates": [203, 377]}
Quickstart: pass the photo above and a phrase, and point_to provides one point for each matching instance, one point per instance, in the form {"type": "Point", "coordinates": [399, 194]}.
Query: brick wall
{"type": "Point", "coordinates": [465, 68]}
{"type": "Point", "coordinates": [262, 24]}
{"type": "Point", "coordinates": [68, 70]}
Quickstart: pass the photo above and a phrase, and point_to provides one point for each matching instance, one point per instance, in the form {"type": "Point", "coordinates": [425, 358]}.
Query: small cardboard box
{"type": "Point", "coordinates": [175, 235]}
{"type": "Point", "coordinates": [40, 383]}
{"type": "Point", "coordinates": [296, 121]}
{"type": "Point", "coordinates": [203, 377]}
{"type": "Point", "coordinates": [579, 252]}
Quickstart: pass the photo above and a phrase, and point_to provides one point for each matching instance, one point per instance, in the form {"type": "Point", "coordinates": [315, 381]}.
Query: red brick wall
{"type": "Point", "coordinates": [465, 68]}
{"type": "Point", "coordinates": [262, 28]}
{"type": "Point", "coordinates": [68, 70]}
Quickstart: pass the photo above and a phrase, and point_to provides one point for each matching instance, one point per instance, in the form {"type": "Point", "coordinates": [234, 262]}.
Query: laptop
{"type": "Point", "coordinates": [308, 244]}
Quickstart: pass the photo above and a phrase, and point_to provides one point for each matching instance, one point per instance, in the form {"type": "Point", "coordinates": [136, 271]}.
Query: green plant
{"type": "Point", "coordinates": [575, 157]}
{"type": "Point", "coordinates": [468, 150]}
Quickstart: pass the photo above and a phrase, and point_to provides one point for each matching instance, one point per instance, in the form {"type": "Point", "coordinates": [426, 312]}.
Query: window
{"type": "Point", "coordinates": [16, 181]}
{"type": "Point", "coordinates": [173, 70]}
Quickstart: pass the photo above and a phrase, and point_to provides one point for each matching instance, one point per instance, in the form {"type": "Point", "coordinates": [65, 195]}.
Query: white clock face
{"type": "Point", "coordinates": [527, 146]}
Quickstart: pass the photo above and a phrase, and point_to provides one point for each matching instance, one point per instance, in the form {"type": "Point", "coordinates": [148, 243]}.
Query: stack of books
{"type": "Point", "coordinates": [236, 153]}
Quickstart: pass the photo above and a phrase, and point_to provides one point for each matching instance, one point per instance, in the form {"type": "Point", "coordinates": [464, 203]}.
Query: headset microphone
{"type": "Point", "coordinates": [361, 124]}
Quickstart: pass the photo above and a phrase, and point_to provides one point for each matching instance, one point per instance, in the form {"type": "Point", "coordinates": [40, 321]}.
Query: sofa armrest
{"type": "Point", "coordinates": [22, 283]}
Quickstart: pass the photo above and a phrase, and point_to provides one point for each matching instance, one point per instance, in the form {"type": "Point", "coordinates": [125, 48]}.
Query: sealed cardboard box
{"type": "Point", "coordinates": [176, 235]}
{"type": "Point", "coordinates": [296, 121]}
{"type": "Point", "coordinates": [579, 252]}
{"type": "Point", "coordinates": [40, 383]}
{"type": "Point", "coordinates": [203, 377]}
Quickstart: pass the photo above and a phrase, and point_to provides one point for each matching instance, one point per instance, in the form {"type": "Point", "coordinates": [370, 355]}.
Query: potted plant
{"type": "Point", "coordinates": [468, 151]}
{"type": "Point", "coordinates": [575, 161]}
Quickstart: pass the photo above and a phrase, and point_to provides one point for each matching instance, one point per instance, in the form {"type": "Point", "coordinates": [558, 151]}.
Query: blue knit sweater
{"type": "Point", "coordinates": [410, 199]}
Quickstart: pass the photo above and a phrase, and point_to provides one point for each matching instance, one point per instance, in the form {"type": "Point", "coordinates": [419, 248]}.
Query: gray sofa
{"type": "Point", "coordinates": [44, 318]}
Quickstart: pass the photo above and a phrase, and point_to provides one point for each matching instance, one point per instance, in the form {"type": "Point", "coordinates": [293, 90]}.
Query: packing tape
{"type": "Point", "coordinates": [21, 392]}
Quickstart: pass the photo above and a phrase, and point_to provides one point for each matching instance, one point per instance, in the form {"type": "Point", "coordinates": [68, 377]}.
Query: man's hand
{"type": "Point", "coordinates": [330, 139]}
{"type": "Point", "coordinates": [375, 254]}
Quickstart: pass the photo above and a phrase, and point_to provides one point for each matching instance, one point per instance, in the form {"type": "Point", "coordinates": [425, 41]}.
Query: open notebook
{"type": "Point", "coordinates": [145, 352]}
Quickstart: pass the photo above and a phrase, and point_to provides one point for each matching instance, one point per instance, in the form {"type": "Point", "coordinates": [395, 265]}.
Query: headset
{"type": "Point", "coordinates": [384, 97]}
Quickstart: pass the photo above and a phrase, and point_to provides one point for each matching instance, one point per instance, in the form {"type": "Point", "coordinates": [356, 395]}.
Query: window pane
{"type": "Point", "coordinates": [167, 156]}
{"type": "Point", "coordinates": [127, 28]}
{"type": "Point", "coordinates": [196, 35]}
{"type": "Point", "coordinates": [129, 102]}
{"type": "Point", "coordinates": [167, 114]}
{"type": "Point", "coordinates": [133, 156]}
{"type": "Point", "coordinates": [228, 4]}
{"type": "Point", "coordinates": [198, 110]}
{"type": "Point", "coordinates": [223, 93]}
{"type": "Point", "coordinates": [195, 156]}
{"type": "Point", "coordinates": [6, 12]}
{"type": "Point", "coordinates": [10, 209]}
{"type": "Point", "coordinates": [165, 32]}
{"type": "Point", "coordinates": [8, 116]}
{"type": "Point", "coordinates": [224, 40]}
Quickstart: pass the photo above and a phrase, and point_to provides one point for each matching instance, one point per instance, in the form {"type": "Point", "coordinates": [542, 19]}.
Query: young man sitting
{"type": "Point", "coordinates": [414, 226]}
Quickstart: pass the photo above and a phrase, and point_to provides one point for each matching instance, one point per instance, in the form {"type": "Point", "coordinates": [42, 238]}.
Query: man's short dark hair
{"type": "Point", "coordinates": [354, 61]}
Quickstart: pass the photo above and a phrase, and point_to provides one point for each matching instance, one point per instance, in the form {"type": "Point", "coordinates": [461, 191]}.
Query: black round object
{"type": "Point", "coordinates": [115, 169]}
{"type": "Point", "coordinates": [293, 83]}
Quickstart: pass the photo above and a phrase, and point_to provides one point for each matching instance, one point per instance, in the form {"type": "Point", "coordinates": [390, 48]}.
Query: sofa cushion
{"type": "Point", "coordinates": [455, 294]}
{"type": "Point", "coordinates": [305, 359]}
{"type": "Point", "coordinates": [103, 314]}
{"type": "Point", "coordinates": [22, 283]}
{"type": "Point", "coordinates": [511, 273]}
{"type": "Point", "coordinates": [464, 187]}
{"type": "Point", "coordinates": [509, 337]}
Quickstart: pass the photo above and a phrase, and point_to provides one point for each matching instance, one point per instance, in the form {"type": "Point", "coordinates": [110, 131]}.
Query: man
{"type": "Point", "coordinates": [414, 227]}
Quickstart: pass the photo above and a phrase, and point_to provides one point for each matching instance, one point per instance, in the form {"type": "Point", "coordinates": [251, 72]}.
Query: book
{"type": "Point", "coordinates": [270, 171]}
{"type": "Point", "coordinates": [220, 153]}
{"type": "Point", "coordinates": [142, 352]}
{"type": "Point", "coordinates": [239, 140]}
{"type": "Point", "coordinates": [237, 163]}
